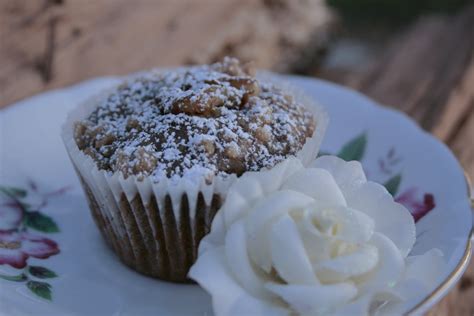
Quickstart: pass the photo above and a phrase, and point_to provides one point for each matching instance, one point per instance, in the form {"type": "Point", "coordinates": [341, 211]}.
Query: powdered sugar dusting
{"type": "Point", "coordinates": [194, 122]}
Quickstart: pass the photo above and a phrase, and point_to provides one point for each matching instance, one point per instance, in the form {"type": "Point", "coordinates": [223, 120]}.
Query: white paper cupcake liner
{"type": "Point", "coordinates": [155, 226]}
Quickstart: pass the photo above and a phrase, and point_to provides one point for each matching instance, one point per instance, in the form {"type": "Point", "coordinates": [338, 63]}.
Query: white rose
{"type": "Point", "coordinates": [312, 241]}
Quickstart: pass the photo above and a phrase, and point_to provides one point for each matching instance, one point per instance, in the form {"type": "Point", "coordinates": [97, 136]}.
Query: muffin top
{"type": "Point", "coordinates": [196, 121]}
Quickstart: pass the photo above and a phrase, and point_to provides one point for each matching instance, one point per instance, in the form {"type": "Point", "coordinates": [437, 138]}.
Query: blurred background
{"type": "Point", "coordinates": [417, 56]}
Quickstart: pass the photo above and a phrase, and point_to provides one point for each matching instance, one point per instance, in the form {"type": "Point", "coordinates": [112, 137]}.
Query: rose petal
{"type": "Point", "coordinates": [272, 180]}
{"type": "Point", "coordinates": [297, 231]}
{"type": "Point", "coordinates": [239, 262]}
{"type": "Point", "coordinates": [396, 300]}
{"type": "Point", "coordinates": [314, 299]}
{"type": "Point", "coordinates": [348, 224]}
{"type": "Point", "coordinates": [258, 223]}
{"type": "Point", "coordinates": [253, 185]}
{"type": "Point", "coordinates": [316, 244]}
{"type": "Point", "coordinates": [240, 199]}
{"type": "Point", "coordinates": [216, 236]}
{"type": "Point", "coordinates": [348, 175]}
{"type": "Point", "coordinates": [212, 273]}
{"type": "Point", "coordinates": [359, 306]}
{"type": "Point", "coordinates": [389, 268]}
{"type": "Point", "coordinates": [318, 184]}
{"type": "Point", "coordinates": [288, 253]}
{"type": "Point", "coordinates": [340, 268]}
{"type": "Point", "coordinates": [391, 219]}
{"type": "Point", "coordinates": [372, 303]}
{"type": "Point", "coordinates": [248, 305]}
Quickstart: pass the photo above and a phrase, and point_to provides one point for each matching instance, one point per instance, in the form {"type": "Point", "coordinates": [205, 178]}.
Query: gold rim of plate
{"type": "Point", "coordinates": [456, 273]}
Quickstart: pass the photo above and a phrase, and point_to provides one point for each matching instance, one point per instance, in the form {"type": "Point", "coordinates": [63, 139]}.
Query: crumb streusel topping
{"type": "Point", "coordinates": [197, 121]}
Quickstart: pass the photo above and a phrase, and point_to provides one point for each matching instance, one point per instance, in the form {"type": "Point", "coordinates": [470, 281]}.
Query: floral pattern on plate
{"type": "Point", "coordinates": [20, 223]}
{"type": "Point", "coordinates": [111, 288]}
{"type": "Point", "coordinates": [18, 218]}
{"type": "Point", "coordinates": [418, 204]}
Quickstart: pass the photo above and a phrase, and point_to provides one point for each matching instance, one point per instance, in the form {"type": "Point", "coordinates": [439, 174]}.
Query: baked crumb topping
{"type": "Point", "coordinates": [197, 121]}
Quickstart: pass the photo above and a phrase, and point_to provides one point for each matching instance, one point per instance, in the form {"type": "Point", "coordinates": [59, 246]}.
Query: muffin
{"type": "Point", "coordinates": [157, 154]}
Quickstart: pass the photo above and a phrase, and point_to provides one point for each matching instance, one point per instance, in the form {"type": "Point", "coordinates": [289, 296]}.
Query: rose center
{"type": "Point", "coordinates": [10, 244]}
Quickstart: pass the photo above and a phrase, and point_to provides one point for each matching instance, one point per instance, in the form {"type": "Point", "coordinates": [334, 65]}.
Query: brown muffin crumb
{"type": "Point", "coordinates": [204, 120]}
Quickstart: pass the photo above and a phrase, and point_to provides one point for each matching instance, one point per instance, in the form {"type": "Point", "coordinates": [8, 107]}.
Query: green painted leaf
{"type": "Point", "coordinates": [41, 222]}
{"type": "Point", "coordinates": [25, 206]}
{"type": "Point", "coordinates": [354, 149]}
{"type": "Point", "coordinates": [41, 272]}
{"type": "Point", "coordinates": [393, 184]}
{"type": "Point", "coordinates": [15, 278]}
{"type": "Point", "coordinates": [42, 289]}
{"type": "Point", "coordinates": [14, 192]}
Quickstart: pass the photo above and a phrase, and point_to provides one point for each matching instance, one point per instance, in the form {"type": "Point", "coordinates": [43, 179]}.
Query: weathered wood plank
{"type": "Point", "coordinates": [428, 72]}
{"type": "Point", "coordinates": [53, 43]}
{"type": "Point", "coordinates": [423, 66]}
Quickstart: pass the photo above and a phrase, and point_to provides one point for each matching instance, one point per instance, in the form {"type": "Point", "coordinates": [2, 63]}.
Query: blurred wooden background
{"type": "Point", "coordinates": [424, 67]}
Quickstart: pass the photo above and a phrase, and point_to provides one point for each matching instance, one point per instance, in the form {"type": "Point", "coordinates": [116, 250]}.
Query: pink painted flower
{"type": "Point", "coordinates": [418, 207]}
{"type": "Point", "coordinates": [10, 216]}
{"type": "Point", "coordinates": [15, 248]}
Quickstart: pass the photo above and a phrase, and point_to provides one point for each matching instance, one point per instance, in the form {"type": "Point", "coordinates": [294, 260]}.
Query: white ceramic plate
{"type": "Point", "coordinates": [62, 266]}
